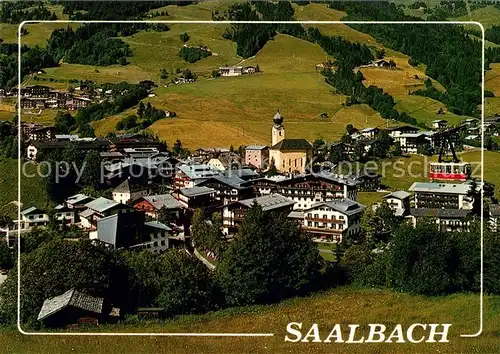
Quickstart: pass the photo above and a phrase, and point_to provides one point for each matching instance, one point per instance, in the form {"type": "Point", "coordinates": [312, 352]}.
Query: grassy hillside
{"type": "Point", "coordinates": [245, 105]}
{"type": "Point", "coordinates": [487, 16]}
{"type": "Point", "coordinates": [32, 192]}
{"type": "Point", "coordinates": [343, 305]}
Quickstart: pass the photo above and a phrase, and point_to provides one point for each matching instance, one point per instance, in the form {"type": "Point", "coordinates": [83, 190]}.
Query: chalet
{"type": "Point", "coordinates": [128, 191]}
{"type": "Point", "coordinates": [308, 189]}
{"type": "Point", "coordinates": [161, 237]}
{"type": "Point", "coordinates": [64, 214]}
{"type": "Point", "coordinates": [208, 153]}
{"type": "Point", "coordinates": [152, 204]}
{"type": "Point", "coordinates": [42, 134]}
{"type": "Point", "coordinates": [77, 102]}
{"type": "Point", "coordinates": [405, 129]}
{"type": "Point", "coordinates": [332, 220]}
{"type": "Point", "coordinates": [439, 124]}
{"type": "Point", "coordinates": [77, 201]}
{"type": "Point", "coordinates": [33, 103]}
{"type": "Point", "coordinates": [43, 147]}
{"type": "Point", "coordinates": [257, 156]}
{"type": "Point", "coordinates": [195, 197]}
{"type": "Point", "coordinates": [410, 142]}
{"type": "Point", "coordinates": [399, 202]}
{"type": "Point", "coordinates": [140, 152]}
{"type": "Point", "coordinates": [33, 217]}
{"type": "Point", "coordinates": [72, 307]}
{"type": "Point", "coordinates": [367, 180]}
{"type": "Point", "coordinates": [328, 66]}
{"type": "Point", "coordinates": [231, 70]}
{"type": "Point", "coordinates": [228, 189]}
{"type": "Point", "coordinates": [250, 70]}
{"type": "Point", "coordinates": [97, 209]}
{"type": "Point", "coordinates": [226, 161]}
{"type": "Point", "coordinates": [446, 219]}
{"type": "Point", "coordinates": [471, 122]}
{"type": "Point", "coordinates": [36, 91]}
{"type": "Point", "coordinates": [234, 213]}
{"type": "Point", "coordinates": [381, 63]}
{"type": "Point", "coordinates": [369, 133]}
{"type": "Point", "coordinates": [188, 176]}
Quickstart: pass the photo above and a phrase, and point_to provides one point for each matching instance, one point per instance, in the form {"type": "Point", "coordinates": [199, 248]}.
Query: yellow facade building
{"type": "Point", "coordinates": [288, 155]}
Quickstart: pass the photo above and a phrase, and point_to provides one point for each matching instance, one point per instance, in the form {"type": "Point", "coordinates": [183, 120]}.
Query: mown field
{"type": "Point", "coordinates": [346, 305]}
{"type": "Point", "coordinates": [487, 16]}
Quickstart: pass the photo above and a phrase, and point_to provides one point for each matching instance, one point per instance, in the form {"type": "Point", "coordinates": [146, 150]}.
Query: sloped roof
{"type": "Point", "coordinates": [71, 298]}
{"type": "Point", "coordinates": [447, 188]}
{"type": "Point", "coordinates": [292, 145]}
{"type": "Point", "coordinates": [345, 206]}
{"type": "Point", "coordinates": [256, 147]}
{"type": "Point", "coordinates": [32, 210]}
{"type": "Point", "coordinates": [440, 213]}
{"type": "Point", "coordinates": [268, 202]}
{"type": "Point", "coordinates": [101, 204]}
{"type": "Point", "coordinates": [398, 195]}
{"type": "Point", "coordinates": [163, 200]}
{"type": "Point", "coordinates": [77, 198]}
{"type": "Point", "coordinates": [158, 225]}
{"type": "Point", "coordinates": [196, 191]}
{"type": "Point", "coordinates": [128, 187]}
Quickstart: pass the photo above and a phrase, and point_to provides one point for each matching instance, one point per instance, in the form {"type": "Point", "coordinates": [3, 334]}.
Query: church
{"type": "Point", "coordinates": [288, 155]}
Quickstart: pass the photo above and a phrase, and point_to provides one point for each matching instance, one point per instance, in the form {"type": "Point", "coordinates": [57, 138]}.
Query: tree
{"type": "Point", "coordinates": [428, 83]}
{"type": "Point", "coordinates": [86, 131]}
{"type": "Point", "coordinates": [270, 258]}
{"type": "Point", "coordinates": [177, 148]}
{"type": "Point", "coordinates": [54, 268]}
{"type": "Point", "coordinates": [349, 128]}
{"type": "Point", "coordinates": [140, 109]}
{"type": "Point", "coordinates": [397, 151]}
{"type": "Point", "coordinates": [425, 149]}
{"type": "Point", "coordinates": [64, 122]}
{"type": "Point", "coordinates": [378, 225]}
{"type": "Point", "coordinates": [6, 259]}
{"type": "Point", "coordinates": [336, 154]}
{"type": "Point", "coordinates": [184, 37]}
{"type": "Point", "coordinates": [185, 284]}
{"type": "Point", "coordinates": [346, 139]}
{"type": "Point", "coordinates": [166, 216]}
{"type": "Point", "coordinates": [91, 175]}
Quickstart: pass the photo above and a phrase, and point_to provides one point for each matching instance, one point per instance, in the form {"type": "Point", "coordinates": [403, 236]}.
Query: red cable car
{"type": "Point", "coordinates": [453, 170]}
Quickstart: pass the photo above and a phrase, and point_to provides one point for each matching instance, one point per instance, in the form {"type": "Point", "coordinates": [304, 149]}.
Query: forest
{"type": "Point", "coordinates": [19, 11]}
{"type": "Point", "coordinates": [451, 57]}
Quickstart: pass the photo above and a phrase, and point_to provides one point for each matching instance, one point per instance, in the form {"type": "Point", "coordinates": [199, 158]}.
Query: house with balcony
{"type": "Point", "coordinates": [399, 202]}
{"type": "Point", "coordinates": [333, 220]}
{"type": "Point", "coordinates": [31, 217]}
{"type": "Point", "coordinates": [233, 214]}
{"type": "Point", "coordinates": [449, 204]}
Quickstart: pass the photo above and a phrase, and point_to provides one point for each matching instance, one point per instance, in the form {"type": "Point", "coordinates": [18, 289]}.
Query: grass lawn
{"type": "Point", "coordinates": [424, 109]}
{"type": "Point", "coordinates": [370, 198]}
{"type": "Point", "coordinates": [487, 16]}
{"type": "Point", "coordinates": [345, 305]}
{"type": "Point", "coordinates": [492, 79]}
{"type": "Point", "coordinates": [492, 106]}
{"type": "Point", "coordinates": [32, 191]}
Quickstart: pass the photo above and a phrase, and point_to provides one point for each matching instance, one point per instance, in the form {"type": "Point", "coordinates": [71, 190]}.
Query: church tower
{"type": "Point", "coordinates": [278, 131]}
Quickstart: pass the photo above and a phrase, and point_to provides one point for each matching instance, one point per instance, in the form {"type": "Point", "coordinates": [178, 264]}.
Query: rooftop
{"type": "Point", "coordinates": [446, 188]}
{"type": "Point", "coordinates": [398, 195]}
{"type": "Point", "coordinates": [32, 210]}
{"type": "Point", "coordinates": [256, 147]}
{"type": "Point", "coordinates": [292, 145]}
{"type": "Point", "coordinates": [158, 225]}
{"type": "Point", "coordinates": [163, 200]}
{"type": "Point", "coordinates": [71, 298]}
{"type": "Point", "coordinates": [345, 206]}
{"type": "Point", "coordinates": [101, 204]}
{"type": "Point", "coordinates": [196, 191]}
{"type": "Point", "coordinates": [440, 213]}
{"type": "Point", "coordinates": [268, 202]}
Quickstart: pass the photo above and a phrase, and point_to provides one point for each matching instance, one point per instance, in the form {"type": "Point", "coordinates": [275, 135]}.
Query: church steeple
{"type": "Point", "coordinates": [278, 131]}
